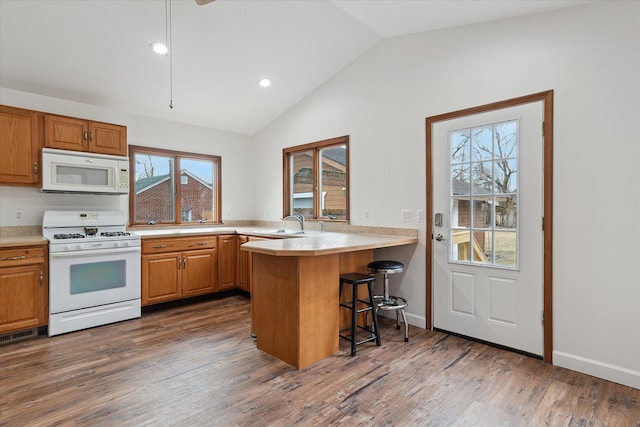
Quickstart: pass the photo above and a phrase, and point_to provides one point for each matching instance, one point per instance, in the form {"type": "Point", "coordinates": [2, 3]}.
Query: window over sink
{"type": "Point", "coordinates": [316, 179]}
{"type": "Point", "coordinates": [174, 187]}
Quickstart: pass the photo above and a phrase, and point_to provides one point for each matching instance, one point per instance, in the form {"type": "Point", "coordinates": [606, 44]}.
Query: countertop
{"type": "Point", "coordinates": [291, 242]}
{"type": "Point", "coordinates": [281, 243]}
{"type": "Point", "coordinates": [184, 232]}
{"type": "Point", "coordinates": [22, 241]}
{"type": "Point", "coordinates": [326, 243]}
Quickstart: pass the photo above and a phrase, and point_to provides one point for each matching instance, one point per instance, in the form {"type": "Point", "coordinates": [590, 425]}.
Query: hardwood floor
{"type": "Point", "coordinates": [197, 365]}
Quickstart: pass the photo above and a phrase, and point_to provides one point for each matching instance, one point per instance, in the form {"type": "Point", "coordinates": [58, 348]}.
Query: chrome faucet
{"type": "Point", "coordinates": [298, 217]}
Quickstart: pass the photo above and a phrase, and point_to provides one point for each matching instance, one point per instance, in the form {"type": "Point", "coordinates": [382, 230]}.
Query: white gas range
{"type": "Point", "coordinates": [94, 269]}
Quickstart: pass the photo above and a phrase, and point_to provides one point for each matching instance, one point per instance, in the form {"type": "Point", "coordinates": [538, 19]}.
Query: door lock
{"type": "Point", "coordinates": [438, 220]}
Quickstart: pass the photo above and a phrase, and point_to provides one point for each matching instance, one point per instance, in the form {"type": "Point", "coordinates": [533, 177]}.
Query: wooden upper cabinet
{"type": "Point", "coordinates": [106, 138]}
{"type": "Point", "coordinates": [69, 133]}
{"type": "Point", "coordinates": [20, 142]}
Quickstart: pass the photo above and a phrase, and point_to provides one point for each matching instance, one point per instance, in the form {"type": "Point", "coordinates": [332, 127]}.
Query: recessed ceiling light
{"type": "Point", "coordinates": [159, 48]}
{"type": "Point", "coordinates": [265, 82]}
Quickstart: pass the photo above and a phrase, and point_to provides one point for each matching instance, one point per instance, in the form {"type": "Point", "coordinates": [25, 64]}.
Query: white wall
{"type": "Point", "coordinates": [590, 57]}
{"type": "Point", "coordinates": [234, 148]}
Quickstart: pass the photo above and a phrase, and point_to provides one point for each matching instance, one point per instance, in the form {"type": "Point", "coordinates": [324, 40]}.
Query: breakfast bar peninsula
{"type": "Point", "coordinates": [295, 284]}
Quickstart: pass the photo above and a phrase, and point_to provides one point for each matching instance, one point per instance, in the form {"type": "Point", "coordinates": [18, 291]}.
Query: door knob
{"type": "Point", "coordinates": [439, 237]}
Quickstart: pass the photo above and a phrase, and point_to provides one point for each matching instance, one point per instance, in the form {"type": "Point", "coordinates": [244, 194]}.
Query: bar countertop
{"type": "Point", "coordinates": [326, 243]}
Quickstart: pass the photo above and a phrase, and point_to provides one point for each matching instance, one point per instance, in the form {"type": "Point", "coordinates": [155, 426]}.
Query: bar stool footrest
{"type": "Point", "coordinates": [391, 303]}
{"type": "Point", "coordinates": [373, 336]}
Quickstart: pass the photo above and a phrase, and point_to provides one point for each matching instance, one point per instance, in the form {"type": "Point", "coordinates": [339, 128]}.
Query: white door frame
{"type": "Point", "coordinates": [547, 100]}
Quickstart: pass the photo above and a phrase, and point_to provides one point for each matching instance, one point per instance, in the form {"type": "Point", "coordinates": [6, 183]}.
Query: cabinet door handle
{"type": "Point", "coordinates": [84, 135]}
{"type": "Point", "coordinates": [90, 136]}
{"type": "Point", "coordinates": [13, 258]}
{"type": "Point", "coordinates": [202, 243]}
{"type": "Point", "coordinates": [41, 278]}
{"type": "Point", "coordinates": [184, 263]}
{"type": "Point", "coordinates": [159, 246]}
{"type": "Point", "coordinates": [35, 168]}
{"type": "Point", "coordinates": [179, 263]}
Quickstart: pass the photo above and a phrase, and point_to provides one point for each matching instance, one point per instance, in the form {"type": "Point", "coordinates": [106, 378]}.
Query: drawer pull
{"type": "Point", "coordinates": [202, 243]}
{"type": "Point", "coordinates": [13, 258]}
{"type": "Point", "coordinates": [159, 246]}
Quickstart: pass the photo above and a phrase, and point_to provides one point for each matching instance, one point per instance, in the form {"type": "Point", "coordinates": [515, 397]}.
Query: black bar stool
{"type": "Point", "coordinates": [387, 302]}
{"type": "Point", "coordinates": [357, 306]}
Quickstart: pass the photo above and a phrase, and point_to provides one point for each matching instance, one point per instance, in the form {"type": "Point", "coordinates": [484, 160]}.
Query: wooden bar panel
{"type": "Point", "coordinates": [275, 308]}
{"type": "Point", "coordinates": [318, 298]}
{"type": "Point", "coordinates": [295, 307]}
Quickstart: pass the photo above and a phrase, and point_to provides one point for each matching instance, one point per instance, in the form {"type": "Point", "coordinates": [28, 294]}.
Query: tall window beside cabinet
{"type": "Point", "coordinates": [174, 187]}
{"type": "Point", "coordinates": [316, 179]}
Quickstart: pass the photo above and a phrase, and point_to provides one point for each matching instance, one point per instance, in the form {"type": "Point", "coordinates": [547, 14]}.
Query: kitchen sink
{"type": "Point", "coordinates": [289, 232]}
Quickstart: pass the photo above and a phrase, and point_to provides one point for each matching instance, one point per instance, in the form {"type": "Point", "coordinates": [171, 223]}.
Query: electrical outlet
{"type": "Point", "coordinates": [365, 214]}
{"type": "Point", "coordinates": [420, 215]}
{"type": "Point", "coordinates": [406, 215]}
{"type": "Point", "coordinates": [19, 215]}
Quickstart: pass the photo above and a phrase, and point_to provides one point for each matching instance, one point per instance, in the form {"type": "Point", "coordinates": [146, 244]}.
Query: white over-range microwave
{"type": "Point", "coordinates": [78, 172]}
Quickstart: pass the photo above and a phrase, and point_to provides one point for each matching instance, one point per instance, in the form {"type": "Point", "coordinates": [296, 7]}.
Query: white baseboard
{"type": "Point", "coordinates": [412, 319]}
{"type": "Point", "coordinates": [617, 374]}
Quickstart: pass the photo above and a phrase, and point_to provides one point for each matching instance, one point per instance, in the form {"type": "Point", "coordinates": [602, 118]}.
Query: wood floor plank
{"type": "Point", "coordinates": [197, 365]}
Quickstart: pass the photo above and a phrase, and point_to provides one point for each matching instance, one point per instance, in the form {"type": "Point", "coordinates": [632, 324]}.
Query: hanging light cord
{"type": "Point", "coordinates": [167, 25]}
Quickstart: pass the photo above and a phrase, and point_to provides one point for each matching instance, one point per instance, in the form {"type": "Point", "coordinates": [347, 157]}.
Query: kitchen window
{"type": "Point", "coordinates": [316, 179]}
{"type": "Point", "coordinates": [173, 187]}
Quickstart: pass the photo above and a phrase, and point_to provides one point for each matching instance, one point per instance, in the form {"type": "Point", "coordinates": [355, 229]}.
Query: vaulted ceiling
{"type": "Point", "coordinates": [97, 52]}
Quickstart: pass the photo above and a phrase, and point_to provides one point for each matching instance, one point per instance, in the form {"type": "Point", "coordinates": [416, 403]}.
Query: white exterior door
{"type": "Point", "coordinates": [488, 237]}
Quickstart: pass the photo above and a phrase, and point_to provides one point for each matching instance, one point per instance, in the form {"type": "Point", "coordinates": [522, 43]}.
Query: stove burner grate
{"type": "Point", "coordinates": [114, 233]}
{"type": "Point", "coordinates": [68, 236]}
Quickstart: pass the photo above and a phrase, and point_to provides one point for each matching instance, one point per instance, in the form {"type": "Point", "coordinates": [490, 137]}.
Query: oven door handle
{"type": "Point", "coordinates": [93, 252]}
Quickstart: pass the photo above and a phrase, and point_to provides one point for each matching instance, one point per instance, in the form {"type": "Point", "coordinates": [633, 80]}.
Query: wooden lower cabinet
{"type": "Point", "coordinates": [161, 279]}
{"type": "Point", "coordinates": [179, 267]}
{"type": "Point", "coordinates": [243, 258]}
{"type": "Point", "coordinates": [24, 290]}
{"type": "Point", "coordinates": [245, 265]}
{"type": "Point", "coordinates": [227, 247]}
{"type": "Point", "coordinates": [199, 272]}
{"type": "Point", "coordinates": [168, 274]}
{"type": "Point", "coordinates": [234, 263]}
